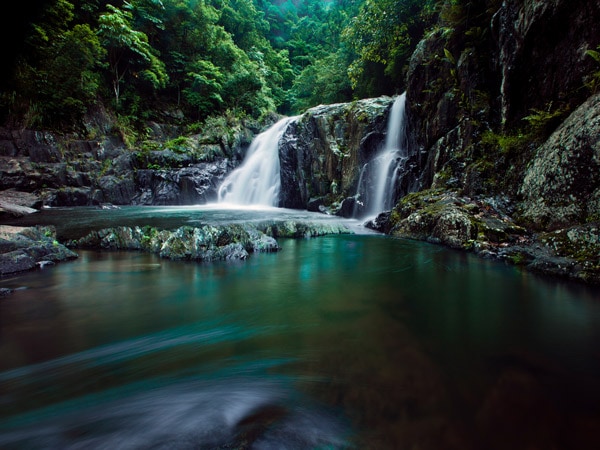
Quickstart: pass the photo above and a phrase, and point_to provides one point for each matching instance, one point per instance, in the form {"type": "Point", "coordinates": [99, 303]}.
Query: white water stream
{"type": "Point", "coordinates": [257, 181]}
{"type": "Point", "coordinates": [380, 176]}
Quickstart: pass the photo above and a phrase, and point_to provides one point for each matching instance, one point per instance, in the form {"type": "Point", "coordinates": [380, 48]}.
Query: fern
{"type": "Point", "coordinates": [593, 82]}
{"type": "Point", "coordinates": [449, 58]}
{"type": "Point", "coordinates": [594, 54]}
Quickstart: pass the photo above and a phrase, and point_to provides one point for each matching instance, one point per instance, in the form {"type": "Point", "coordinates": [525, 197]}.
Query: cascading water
{"type": "Point", "coordinates": [257, 181]}
{"type": "Point", "coordinates": [380, 176]}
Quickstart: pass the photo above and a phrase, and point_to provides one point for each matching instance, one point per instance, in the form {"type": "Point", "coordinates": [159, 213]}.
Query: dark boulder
{"type": "Point", "coordinates": [23, 249]}
{"type": "Point", "coordinates": [322, 151]}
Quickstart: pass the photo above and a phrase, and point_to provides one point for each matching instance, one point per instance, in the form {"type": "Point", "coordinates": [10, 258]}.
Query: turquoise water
{"type": "Point", "coordinates": [349, 341]}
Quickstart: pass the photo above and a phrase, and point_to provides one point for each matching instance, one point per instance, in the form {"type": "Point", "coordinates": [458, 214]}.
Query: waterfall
{"type": "Point", "coordinates": [257, 181]}
{"type": "Point", "coordinates": [379, 177]}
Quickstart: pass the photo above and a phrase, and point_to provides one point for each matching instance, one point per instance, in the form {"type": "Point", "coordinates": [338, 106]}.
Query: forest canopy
{"type": "Point", "coordinates": [202, 58]}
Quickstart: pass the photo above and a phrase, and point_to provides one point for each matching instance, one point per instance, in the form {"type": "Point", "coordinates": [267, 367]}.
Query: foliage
{"type": "Point", "coordinates": [180, 144]}
{"type": "Point", "coordinates": [593, 82]}
{"type": "Point", "coordinates": [506, 143]}
{"type": "Point", "coordinates": [324, 81]}
{"type": "Point", "coordinates": [206, 57]}
{"type": "Point", "coordinates": [130, 56]}
{"type": "Point", "coordinates": [384, 35]}
{"type": "Point", "coordinates": [543, 122]}
{"type": "Point", "coordinates": [125, 127]}
{"type": "Point", "coordinates": [57, 76]}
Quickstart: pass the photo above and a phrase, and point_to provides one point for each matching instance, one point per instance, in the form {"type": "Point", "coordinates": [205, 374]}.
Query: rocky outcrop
{"type": "Point", "coordinates": [485, 227]}
{"type": "Point", "coordinates": [562, 184]}
{"type": "Point", "coordinates": [15, 203]}
{"type": "Point", "coordinates": [68, 171]}
{"type": "Point", "coordinates": [322, 151]}
{"type": "Point", "coordinates": [206, 242]}
{"type": "Point", "coordinates": [460, 222]}
{"type": "Point", "coordinates": [196, 184]}
{"type": "Point", "coordinates": [23, 249]}
{"type": "Point", "coordinates": [541, 53]}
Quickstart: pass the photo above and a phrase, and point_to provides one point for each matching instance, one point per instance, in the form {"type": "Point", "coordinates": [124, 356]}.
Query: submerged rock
{"type": "Point", "coordinates": [23, 249]}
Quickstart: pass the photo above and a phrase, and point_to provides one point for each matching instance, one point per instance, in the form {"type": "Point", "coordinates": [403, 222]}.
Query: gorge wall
{"type": "Point", "coordinates": [504, 107]}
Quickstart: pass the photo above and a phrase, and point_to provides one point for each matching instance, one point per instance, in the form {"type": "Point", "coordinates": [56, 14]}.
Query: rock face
{"type": "Point", "coordinates": [322, 151]}
{"type": "Point", "coordinates": [487, 74]}
{"type": "Point", "coordinates": [23, 249]}
{"type": "Point", "coordinates": [195, 184]}
{"type": "Point", "coordinates": [542, 52]}
{"type": "Point", "coordinates": [65, 171]}
{"type": "Point", "coordinates": [562, 184]}
{"type": "Point", "coordinates": [206, 242]}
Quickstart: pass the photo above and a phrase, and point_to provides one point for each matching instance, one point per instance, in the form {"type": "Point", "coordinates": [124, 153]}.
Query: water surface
{"type": "Point", "coordinates": [349, 341]}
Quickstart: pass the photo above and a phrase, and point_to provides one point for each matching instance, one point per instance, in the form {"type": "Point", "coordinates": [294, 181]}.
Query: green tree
{"type": "Point", "coordinates": [324, 81]}
{"type": "Point", "coordinates": [130, 56]}
{"type": "Point", "coordinates": [384, 35]}
{"type": "Point", "coordinates": [244, 21]}
{"type": "Point", "coordinates": [187, 35]}
{"type": "Point", "coordinates": [57, 76]}
{"type": "Point", "coordinates": [72, 76]}
{"type": "Point", "coordinates": [267, 73]}
{"type": "Point", "coordinates": [205, 83]}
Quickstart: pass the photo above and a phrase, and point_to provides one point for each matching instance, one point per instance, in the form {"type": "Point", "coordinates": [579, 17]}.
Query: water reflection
{"type": "Point", "coordinates": [336, 342]}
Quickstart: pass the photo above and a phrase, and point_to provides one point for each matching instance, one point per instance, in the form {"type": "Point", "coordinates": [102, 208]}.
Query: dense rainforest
{"type": "Point", "coordinates": [207, 57]}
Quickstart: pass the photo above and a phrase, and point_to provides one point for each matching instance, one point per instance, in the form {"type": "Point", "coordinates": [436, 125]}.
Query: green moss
{"type": "Point", "coordinates": [180, 144]}
{"type": "Point", "coordinates": [506, 143]}
{"type": "Point", "coordinates": [580, 244]}
{"type": "Point", "coordinates": [149, 234]}
{"type": "Point", "coordinates": [106, 164]}
{"type": "Point", "coordinates": [150, 146]}
{"type": "Point", "coordinates": [518, 259]}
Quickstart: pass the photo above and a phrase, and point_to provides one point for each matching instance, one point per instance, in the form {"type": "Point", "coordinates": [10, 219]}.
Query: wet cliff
{"type": "Point", "coordinates": [323, 150]}
{"type": "Point", "coordinates": [170, 167]}
{"type": "Point", "coordinates": [502, 101]}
